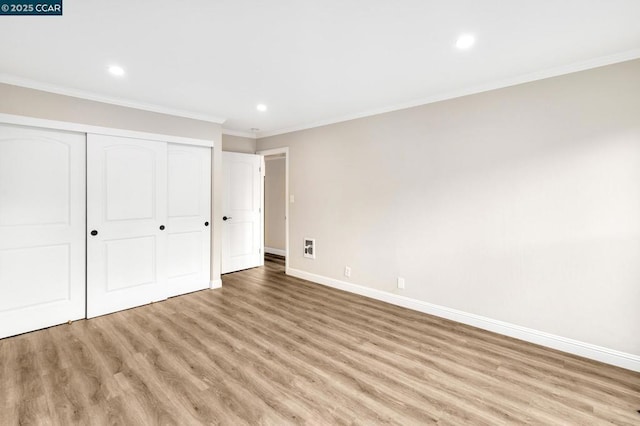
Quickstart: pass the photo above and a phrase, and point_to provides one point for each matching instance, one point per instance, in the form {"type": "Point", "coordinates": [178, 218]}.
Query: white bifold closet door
{"type": "Point", "coordinates": [148, 214]}
{"type": "Point", "coordinates": [189, 198]}
{"type": "Point", "coordinates": [42, 228]}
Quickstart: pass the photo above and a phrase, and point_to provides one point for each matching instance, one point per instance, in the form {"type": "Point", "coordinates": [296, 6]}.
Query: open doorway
{"type": "Point", "coordinates": [276, 205]}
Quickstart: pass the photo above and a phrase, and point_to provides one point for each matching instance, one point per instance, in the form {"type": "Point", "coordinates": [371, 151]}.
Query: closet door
{"type": "Point", "coordinates": [189, 223]}
{"type": "Point", "coordinates": [126, 223]}
{"type": "Point", "coordinates": [42, 239]}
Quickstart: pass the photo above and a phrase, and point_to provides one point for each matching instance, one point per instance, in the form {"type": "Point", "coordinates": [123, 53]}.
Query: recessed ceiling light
{"type": "Point", "coordinates": [255, 129]}
{"type": "Point", "coordinates": [116, 70]}
{"type": "Point", "coordinates": [261, 107]}
{"type": "Point", "coordinates": [465, 41]}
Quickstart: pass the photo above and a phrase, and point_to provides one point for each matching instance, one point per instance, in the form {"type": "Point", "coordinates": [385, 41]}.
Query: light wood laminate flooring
{"type": "Point", "coordinates": [271, 349]}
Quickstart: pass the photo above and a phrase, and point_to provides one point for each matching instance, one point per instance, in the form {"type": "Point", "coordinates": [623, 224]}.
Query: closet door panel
{"type": "Point", "coordinates": [42, 240]}
{"type": "Point", "coordinates": [130, 180]}
{"type": "Point", "coordinates": [126, 223]}
{"type": "Point", "coordinates": [189, 204]}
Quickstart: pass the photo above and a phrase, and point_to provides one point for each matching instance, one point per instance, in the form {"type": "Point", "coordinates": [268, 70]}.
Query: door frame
{"type": "Point", "coordinates": [280, 151]}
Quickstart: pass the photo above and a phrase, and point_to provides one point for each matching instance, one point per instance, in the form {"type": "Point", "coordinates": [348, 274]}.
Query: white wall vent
{"type": "Point", "coordinates": [310, 248]}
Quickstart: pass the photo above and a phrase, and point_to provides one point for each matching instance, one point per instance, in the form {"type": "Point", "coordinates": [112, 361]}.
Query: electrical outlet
{"type": "Point", "coordinates": [401, 282]}
{"type": "Point", "coordinates": [347, 271]}
{"type": "Point", "coordinates": [310, 248]}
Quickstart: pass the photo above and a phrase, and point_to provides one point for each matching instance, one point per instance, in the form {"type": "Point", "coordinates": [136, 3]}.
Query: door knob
{"type": "Point", "coordinates": [206, 224]}
{"type": "Point", "coordinates": [226, 217]}
{"type": "Point", "coordinates": [94, 232]}
{"type": "Point", "coordinates": [162, 227]}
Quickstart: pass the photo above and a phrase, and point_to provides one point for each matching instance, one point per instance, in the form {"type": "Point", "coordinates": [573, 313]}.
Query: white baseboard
{"type": "Point", "coordinates": [215, 283]}
{"type": "Point", "coordinates": [275, 251]}
{"type": "Point", "coordinates": [575, 347]}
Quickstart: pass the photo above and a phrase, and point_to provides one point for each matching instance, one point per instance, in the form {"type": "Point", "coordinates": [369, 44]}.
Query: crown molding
{"type": "Point", "coordinates": [526, 78]}
{"type": "Point", "coordinates": [238, 133]}
{"type": "Point", "coordinates": [52, 88]}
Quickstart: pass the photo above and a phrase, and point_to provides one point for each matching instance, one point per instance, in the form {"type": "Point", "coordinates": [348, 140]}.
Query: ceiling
{"type": "Point", "coordinates": [310, 61]}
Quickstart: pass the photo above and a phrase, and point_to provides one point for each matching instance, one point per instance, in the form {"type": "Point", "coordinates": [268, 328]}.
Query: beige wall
{"type": "Point", "coordinates": [238, 144]}
{"type": "Point", "coordinates": [274, 204]}
{"type": "Point", "coordinates": [520, 204]}
{"type": "Point", "coordinates": [50, 106]}
{"type": "Point", "coordinates": [35, 103]}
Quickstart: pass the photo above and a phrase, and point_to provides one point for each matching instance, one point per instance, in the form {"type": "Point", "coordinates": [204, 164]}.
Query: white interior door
{"type": "Point", "coordinates": [242, 210]}
{"type": "Point", "coordinates": [189, 230]}
{"type": "Point", "coordinates": [42, 232]}
{"type": "Point", "coordinates": [126, 214]}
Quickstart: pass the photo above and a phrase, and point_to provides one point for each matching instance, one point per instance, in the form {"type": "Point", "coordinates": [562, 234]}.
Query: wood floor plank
{"type": "Point", "coordinates": [335, 336]}
{"type": "Point", "coordinates": [8, 376]}
{"type": "Point", "coordinates": [308, 375]}
{"type": "Point", "coordinates": [275, 350]}
{"type": "Point", "coordinates": [189, 357]}
{"type": "Point", "coordinates": [434, 403]}
{"type": "Point", "coordinates": [331, 360]}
